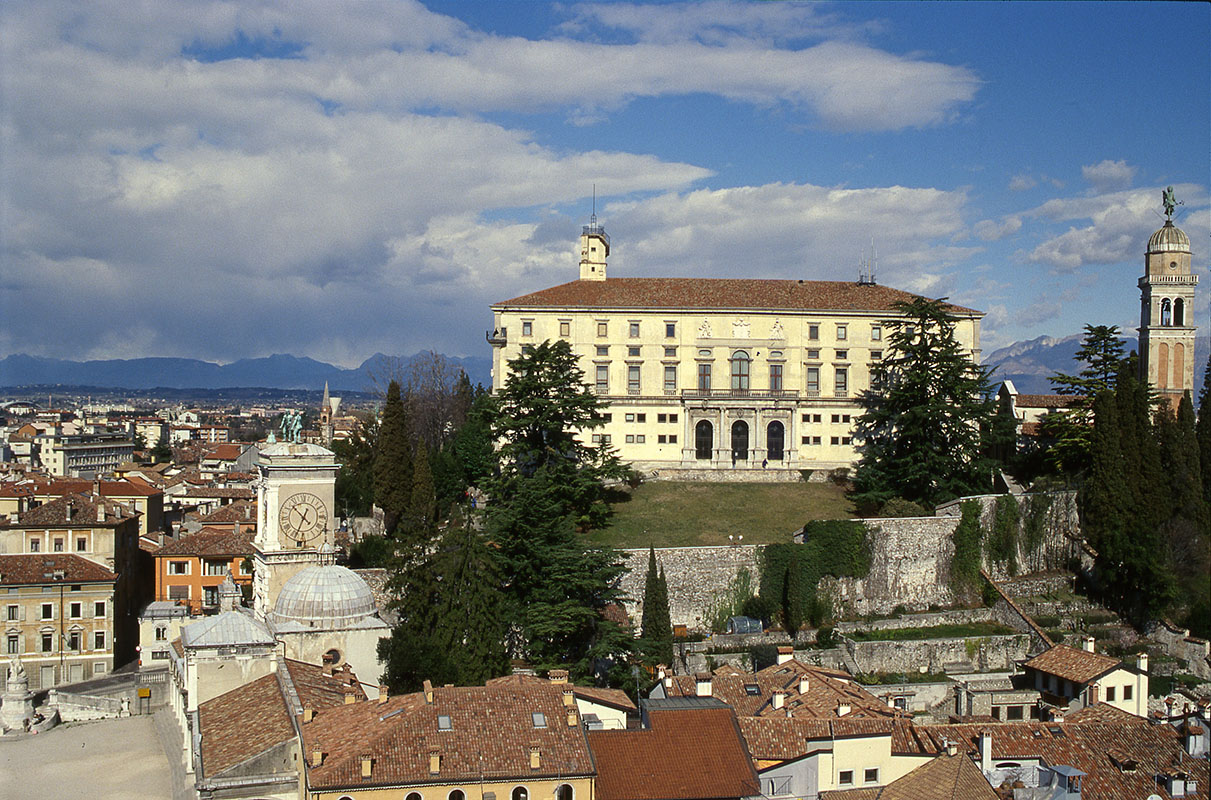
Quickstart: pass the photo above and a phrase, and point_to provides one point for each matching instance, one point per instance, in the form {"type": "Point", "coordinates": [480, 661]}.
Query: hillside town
{"type": "Point", "coordinates": [259, 582]}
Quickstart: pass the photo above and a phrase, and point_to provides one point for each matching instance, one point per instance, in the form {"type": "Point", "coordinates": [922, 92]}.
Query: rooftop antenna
{"type": "Point", "coordinates": [593, 216]}
{"type": "Point", "coordinates": [866, 268]}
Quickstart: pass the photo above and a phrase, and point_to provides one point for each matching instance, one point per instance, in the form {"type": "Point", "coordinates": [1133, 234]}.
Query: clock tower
{"type": "Point", "coordinates": [295, 501]}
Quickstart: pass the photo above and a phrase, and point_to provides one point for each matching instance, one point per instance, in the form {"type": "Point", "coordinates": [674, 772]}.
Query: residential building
{"type": "Point", "coordinates": [160, 624]}
{"type": "Point", "coordinates": [714, 374]}
{"type": "Point", "coordinates": [950, 775]}
{"type": "Point", "coordinates": [1071, 678]}
{"type": "Point", "coordinates": [58, 616]}
{"type": "Point", "coordinates": [189, 570]}
{"type": "Point", "coordinates": [85, 455]}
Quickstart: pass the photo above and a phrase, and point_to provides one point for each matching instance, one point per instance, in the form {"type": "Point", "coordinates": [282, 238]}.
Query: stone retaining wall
{"type": "Point", "coordinates": [988, 653]}
{"type": "Point", "coordinates": [74, 707]}
{"type": "Point", "coordinates": [698, 577]}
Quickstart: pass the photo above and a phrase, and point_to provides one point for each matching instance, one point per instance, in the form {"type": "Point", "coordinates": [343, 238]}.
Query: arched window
{"type": "Point", "coordinates": [739, 440]}
{"type": "Point", "coordinates": [740, 370]}
{"type": "Point", "coordinates": [1179, 312]}
{"type": "Point", "coordinates": [564, 792]}
{"type": "Point", "coordinates": [1166, 312]}
{"type": "Point", "coordinates": [413, 796]}
{"type": "Point", "coordinates": [457, 794]}
{"type": "Point", "coordinates": [775, 439]}
{"type": "Point", "coordinates": [704, 440]}
{"type": "Point", "coordinates": [520, 793]}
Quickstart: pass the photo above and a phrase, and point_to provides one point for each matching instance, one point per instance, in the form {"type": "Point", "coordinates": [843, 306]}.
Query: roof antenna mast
{"type": "Point", "coordinates": [593, 216]}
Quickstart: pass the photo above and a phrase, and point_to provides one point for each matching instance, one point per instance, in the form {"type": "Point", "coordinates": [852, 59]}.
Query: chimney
{"type": "Point", "coordinates": [68, 510]}
{"type": "Point", "coordinates": [702, 684]}
{"type": "Point", "coordinates": [308, 714]}
{"type": "Point", "coordinates": [97, 489]}
{"type": "Point", "coordinates": [571, 717]}
{"type": "Point", "coordinates": [428, 686]}
{"type": "Point", "coordinates": [1141, 663]}
{"type": "Point", "coordinates": [1087, 643]}
{"type": "Point", "coordinates": [779, 698]}
{"type": "Point", "coordinates": [660, 670]}
{"type": "Point", "coordinates": [843, 709]}
{"type": "Point", "coordinates": [985, 752]}
{"type": "Point", "coordinates": [384, 693]}
{"type": "Point", "coordinates": [785, 653]}
{"type": "Point", "coordinates": [803, 685]}
{"type": "Point", "coordinates": [1093, 693]}
{"type": "Point", "coordinates": [569, 699]}
{"type": "Point", "coordinates": [558, 676]}
{"type": "Point", "coordinates": [317, 754]}
{"type": "Point", "coordinates": [367, 765]}
{"type": "Point", "coordinates": [100, 510]}
{"type": "Point", "coordinates": [435, 761]}
{"type": "Point", "coordinates": [951, 748]}
{"type": "Point", "coordinates": [350, 695]}
{"type": "Point", "coordinates": [535, 757]}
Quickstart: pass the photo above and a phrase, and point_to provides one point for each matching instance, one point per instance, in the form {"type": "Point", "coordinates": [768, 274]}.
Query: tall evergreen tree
{"type": "Point", "coordinates": [1203, 432]}
{"type": "Point", "coordinates": [1071, 431]}
{"type": "Point", "coordinates": [920, 433]}
{"type": "Point", "coordinates": [657, 630]}
{"type": "Point", "coordinates": [393, 460]}
{"type": "Point", "coordinates": [422, 504]}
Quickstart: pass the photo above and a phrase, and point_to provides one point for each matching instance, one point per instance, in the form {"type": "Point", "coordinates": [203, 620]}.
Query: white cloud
{"type": "Point", "coordinates": [1020, 183]}
{"type": "Point", "coordinates": [991, 230]}
{"type": "Point", "coordinates": [1108, 175]}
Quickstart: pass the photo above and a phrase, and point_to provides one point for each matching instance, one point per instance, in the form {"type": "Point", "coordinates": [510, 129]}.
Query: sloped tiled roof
{"type": "Point", "coordinates": [944, 778]}
{"type": "Point", "coordinates": [80, 507]}
{"type": "Point", "coordinates": [686, 753]}
{"type": "Point", "coordinates": [237, 492]}
{"type": "Point", "coordinates": [1048, 400]}
{"type": "Point", "coordinates": [238, 511]}
{"type": "Point", "coordinates": [1072, 663]}
{"type": "Point", "coordinates": [41, 567]}
{"type": "Point", "coordinates": [227, 451]}
{"type": "Point", "coordinates": [242, 723]}
{"type": "Point", "coordinates": [718, 293]}
{"type": "Point", "coordinates": [752, 694]}
{"type": "Point", "coordinates": [610, 697]}
{"type": "Point", "coordinates": [209, 542]}
{"type": "Point", "coordinates": [490, 735]}
{"type": "Point", "coordinates": [317, 690]}
{"type": "Point", "coordinates": [108, 488]}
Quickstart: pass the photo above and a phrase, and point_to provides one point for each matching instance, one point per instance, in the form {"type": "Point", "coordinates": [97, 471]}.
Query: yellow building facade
{"type": "Point", "coordinates": [716, 374]}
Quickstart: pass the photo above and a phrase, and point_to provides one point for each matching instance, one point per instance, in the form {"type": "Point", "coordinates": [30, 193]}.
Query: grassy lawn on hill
{"type": "Point", "coordinates": [672, 514]}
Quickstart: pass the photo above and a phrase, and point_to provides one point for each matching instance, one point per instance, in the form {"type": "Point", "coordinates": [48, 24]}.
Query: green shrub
{"type": "Point", "coordinates": [790, 573]}
{"type": "Point", "coordinates": [899, 507]}
{"type": "Point", "coordinates": [965, 563]}
{"type": "Point", "coordinates": [826, 637]}
{"type": "Point", "coordinates": [1003, 538]}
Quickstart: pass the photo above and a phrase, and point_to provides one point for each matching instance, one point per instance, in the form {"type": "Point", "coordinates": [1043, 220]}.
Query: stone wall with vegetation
{"type": "Point", "coordinates": [700, 579]}
{"type": "Point", "coordinates": [981, 653]}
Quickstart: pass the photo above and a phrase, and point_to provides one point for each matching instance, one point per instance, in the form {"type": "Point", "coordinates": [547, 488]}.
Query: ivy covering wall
{"type": "Point", "coordinates": [790, 573]}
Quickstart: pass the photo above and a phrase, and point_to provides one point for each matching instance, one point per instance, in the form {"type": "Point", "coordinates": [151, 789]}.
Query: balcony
{"type": "Point", "coordinates": [756, 394]}
{"type": "Point", "coordinates": [498, 337]}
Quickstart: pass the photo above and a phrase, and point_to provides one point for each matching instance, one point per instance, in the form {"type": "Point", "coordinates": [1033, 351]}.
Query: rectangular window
{"type": "Point", "coordinates": [630, 438]}
{"type": "Point", "coordinates": [216, 567]}
{"type": "Point", "coordinates": [1110, 694]}
{"type": "Point", "coordinates": [606, 438]}
{"type": "Point", "coordinates": [813, 380]}
{"type": "Point", "coordinates": [565, 328]}
{"type": "Point", "coordinates": [603, 329]}
{"type": "Point", "coordinates": [13, 613]}
{"type": "Point", "coordinates": [775, 377]}
{"type": "Point", "coordinates": [603, 349]}
{"type": "Point", "coordinates": [633, 378]}
{"type": "Point", "coordinates": [871, 775]}
{"type": "Point", "coordinates": [670, 330]}
{"type": "Point", "coordinates": [813, 355]}
{"type": "Point", "coordinates": [846, 440]}
{"type": "Point", "coordinates": [813, 332]}
{"type": "Point", "coordinates": [876, 333]}
{"type": "Point", "coordinates": [836, 418]}
{"type": "Point", "coordinates": [75, 610]}
{"type": "Point", "coordinates": [633, 330]}
{"type": "Point", "coordinates": [98, 640]}
{"type": "Point", "coordinates": [161, 634]}
{"type": "Point", "coordinates": [99, 608]}
{"type": "Point", "coordinates": [876, 355]}
{"type": "Point", "coordinates": [48, 611]}
{"type": "Point", "coordinates": [842, 355]}
{"type": "Point", "coordinates": [662, 439]}
{"type": "Point", "coordinates": [178, 592]}
{"type": "Point", "coordinates": [14, 644]}
{"type": "Point", "coordinates": [1128, 692]}
{"type": "Point", "coordinates": [81, 544]}
{"type": "Point", "coordinates": [73, 640]}
{"type": "Point", "coordinates": [48, 642]}
{"type": "Point", "coordinates": [672, 438]}
{"type": "Point", "coordinates": [841, 382]}
{"type": "Point", "coordinates": [632, 352]}
{"type": "Point", "coordinates": [1015, 713]}
{"type": "Point", "coordinates": [662, 417]}
{"type": "Point", "coordinates": [672, 417]}
{"type": "Point", "coordinates": [629, 418]}
{"type": "Point", "coordinates": [527, 328]}
{"type": "Point", "coordinates": [670, 352]}
{"type": "Point", "coordinates": [35, 545]}
{"type": "Point", "coordinates": [704, 377]}
{"type": "Point", "coordinates": [841, 333]}
{"type": "Point", "coordinates": [603, 379]}
{"type": "Point", "coordinates": [58, 545]}
{"type": "Point", "coordinates": [641, 417]}
{"type": "Point", "coordinates": [178, 567]}
{"type": "Point", "coordinates": [811, 440]}
{"type": "Point", "coordinates": [640, 439]}
{"type": "Point", "coordinates": [845, 777]}
{"type": "Point", "coordinates": [834, 440]}
{"type": "Point", "coordinates": [670, 378]}
{"type": "Point", "coordinates": [607, 418]}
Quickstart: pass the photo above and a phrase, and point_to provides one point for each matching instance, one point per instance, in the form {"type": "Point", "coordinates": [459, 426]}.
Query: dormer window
{"type": "Point", "coordinates": [443, 722]}
{"type": "Point", "coordinates": [539, 719]}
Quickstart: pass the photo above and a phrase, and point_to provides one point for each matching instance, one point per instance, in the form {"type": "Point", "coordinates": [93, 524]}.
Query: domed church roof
{"type": "Point", "coordinates": [1168, 239]}
{"type": "Point", "coordinates": [325, 597]}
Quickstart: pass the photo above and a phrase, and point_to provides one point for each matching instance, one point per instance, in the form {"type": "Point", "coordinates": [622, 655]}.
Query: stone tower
{"type": "Point", "coordinates": [1167, 326]}
{"type": "Point", "coordinates": [594, 248]}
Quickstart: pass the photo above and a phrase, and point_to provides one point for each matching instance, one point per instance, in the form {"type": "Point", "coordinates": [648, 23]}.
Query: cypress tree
{"type": "Point", "coordinates": [422, 505]}
{"type": "Point", "coordinates": [656, 629]}
{"type": "Point", "coordinates": [1203, 432]}
{"type": "Point", "coordinates": [393, 460]}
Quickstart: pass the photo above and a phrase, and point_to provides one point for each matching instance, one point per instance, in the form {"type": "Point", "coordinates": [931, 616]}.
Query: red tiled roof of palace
{"type": "Point", "coordinates": [720, 293]}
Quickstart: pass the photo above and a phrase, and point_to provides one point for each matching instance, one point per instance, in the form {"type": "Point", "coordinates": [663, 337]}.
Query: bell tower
{"type": "Point", "coordinates": [1167, 326]}
{"type": "Point", "coordinates": [594, 248]}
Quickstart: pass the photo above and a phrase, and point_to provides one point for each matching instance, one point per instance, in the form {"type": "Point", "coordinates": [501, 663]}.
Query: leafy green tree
{"type": "Point", "coordinates": [161, 453]}
{"type": "Point", "coordinates": [657, 630]}
{"type": "Point", "coordinates": [965, 563]}
{"type": "Point", "coordinates": [1070, 431]}
{"type": "Point", "coordinates": [355, 479]}
{"type": "Point", "coordinates": [542, 413]}
{"type": "Point", "coordinates": [920, 433]}
{"type": "Point", "coordinates": [452, 621]}
{"type": "Point", "coordinates": [393, 460]}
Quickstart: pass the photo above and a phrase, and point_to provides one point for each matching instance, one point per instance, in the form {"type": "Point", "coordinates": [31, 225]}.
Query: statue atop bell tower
{"type": "Point", "coordinates": [1167, 326]}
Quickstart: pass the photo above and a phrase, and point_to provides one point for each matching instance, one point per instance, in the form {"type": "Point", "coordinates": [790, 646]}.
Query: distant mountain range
{"type": "Point", "coordinates": [1029, 364]}
{"type": "Point", "coordinates": [273, 372]}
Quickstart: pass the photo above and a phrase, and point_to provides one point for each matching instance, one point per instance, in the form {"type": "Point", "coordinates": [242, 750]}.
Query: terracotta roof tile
{"type": "Point", "coordinates": [41, 567]}
{"type": "Point", "coordinates": [1072, 663]}
{"type": "Point", "coordinates": [1048, 400]}
{"type": "Point", "coordinates": [108, 488]}
{"type": "Point", "coordinates": [237, 492]}
{"type": "Point", "coordinates": [209, 542]}
{"type": "Point", "coordinates": [719, 293]}
{"type": "Point", "coordinates": [241, 724]}
{"type": "Point", "coordinates": [317, 690]}
{"type": "Point", "coordinates": [237, 511]}
{"type": "Point", "coordinates": [944, 778]}
{"type": "Point", "coordinates": [686, 753]}
{"type": "Point", "coordinates": [611, 697]}
{"type": "Point", "coordinates": [82, 510]}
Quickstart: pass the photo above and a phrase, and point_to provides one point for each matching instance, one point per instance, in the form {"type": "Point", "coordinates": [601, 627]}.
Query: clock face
{"type": "Point", "coordinates": [303, 517]}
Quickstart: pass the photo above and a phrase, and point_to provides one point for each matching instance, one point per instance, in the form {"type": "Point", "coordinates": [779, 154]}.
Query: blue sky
{"type": "Point", "coordinates": [225, 180]}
